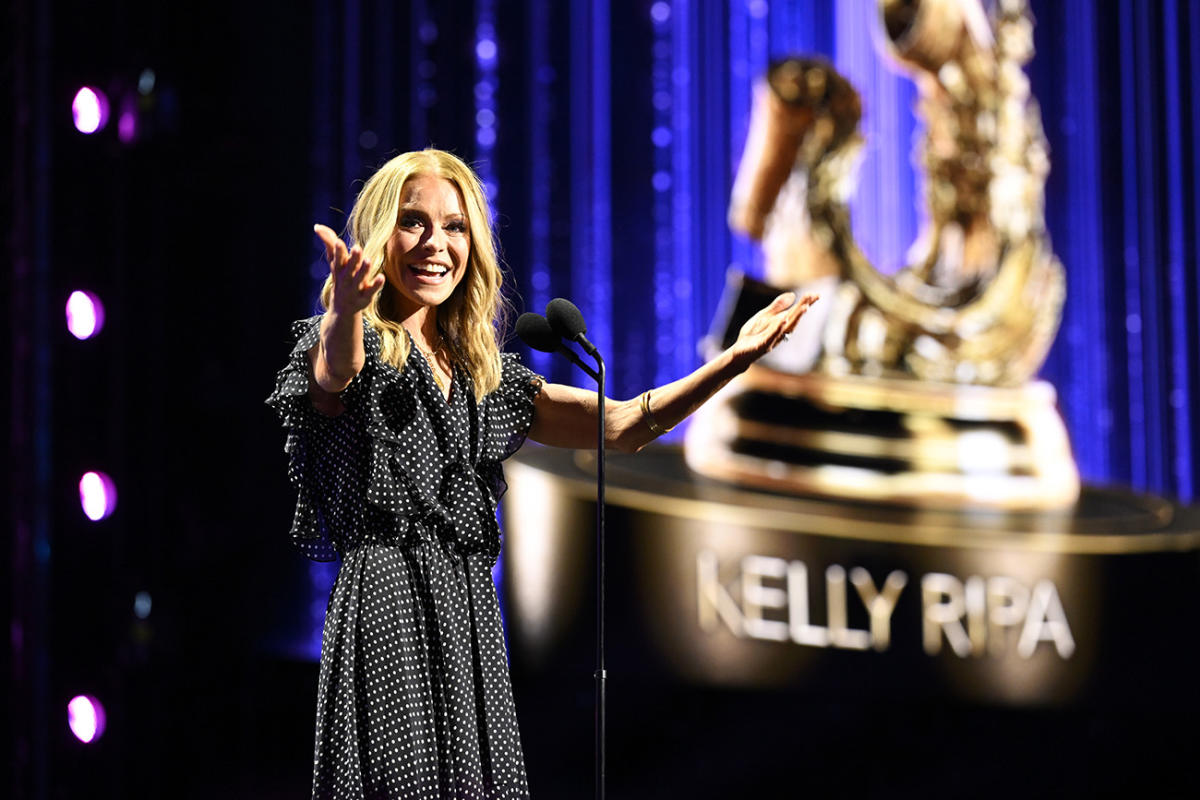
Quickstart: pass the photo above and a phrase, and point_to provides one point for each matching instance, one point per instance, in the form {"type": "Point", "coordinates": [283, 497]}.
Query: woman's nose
{"type": "Point", "coordinates": [436, 240]}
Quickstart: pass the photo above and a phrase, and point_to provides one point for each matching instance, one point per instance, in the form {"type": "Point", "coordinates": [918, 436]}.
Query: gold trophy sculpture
{"type": "Point", "coordinates": [916, 388]}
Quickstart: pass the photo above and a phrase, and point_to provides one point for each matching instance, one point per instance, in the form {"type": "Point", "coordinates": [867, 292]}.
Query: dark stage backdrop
{"type": "Point", "coordinates": [608, 133]}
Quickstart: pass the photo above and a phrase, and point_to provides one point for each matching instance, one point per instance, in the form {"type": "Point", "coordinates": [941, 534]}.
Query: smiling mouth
{"type": "Point", "coordinates": [429, 270]}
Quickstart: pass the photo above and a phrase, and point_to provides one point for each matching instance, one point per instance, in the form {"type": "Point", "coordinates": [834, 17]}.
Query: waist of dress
{"type": "Point", "coordinates": [413, 533]}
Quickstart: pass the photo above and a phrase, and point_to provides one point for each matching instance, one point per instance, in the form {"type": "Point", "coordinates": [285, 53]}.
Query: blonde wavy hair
{"type": "Point", "coordinates": [471, 320]}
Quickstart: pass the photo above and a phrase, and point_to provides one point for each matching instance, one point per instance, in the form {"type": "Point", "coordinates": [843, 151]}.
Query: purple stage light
{"type": "Point", "coordinates": [97, 495]}
{"type": "Point", "coordinates": [485, 51]}
{"type": "Point", "coordinates": [90, 110]}
{"type": "Point", "coordinates": [85, 314]}
{"type": "Point", "coordinates": [127, 125]}
{"type": "Point", "coordinates": [85, 716]}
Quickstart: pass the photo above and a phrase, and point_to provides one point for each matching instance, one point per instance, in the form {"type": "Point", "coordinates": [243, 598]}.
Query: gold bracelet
{"type": "Point", "coordinates": [651, 422]}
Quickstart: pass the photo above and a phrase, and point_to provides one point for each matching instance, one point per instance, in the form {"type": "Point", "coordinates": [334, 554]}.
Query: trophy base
{"type": "Point", "coordinates": [887, 440]}
{"type": "Point", "coordinates": [757, 640]}
{"type": "Point", "coordinates": [722, 586]}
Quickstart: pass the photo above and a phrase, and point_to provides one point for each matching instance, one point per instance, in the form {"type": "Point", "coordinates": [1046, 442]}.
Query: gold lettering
{"type": "Point", "coordinates": [943, 606]}
{"type": "Point", "coordinates": [1046, 622]}
{"type": "Point", "coordinates": [802, 632]}
{"type": "Point", "coordinates": [713, 599]}
{"type": "Point", "coordinates": [756, 597]}
{"type": "Point", "coordinates": [975, 597]}
{"type": "Point", "coordinates": [880, 604]}
{"type": "Point", "coordinates": [1008, 602]}
{"type": "Point", "coordinates": [840, 633]}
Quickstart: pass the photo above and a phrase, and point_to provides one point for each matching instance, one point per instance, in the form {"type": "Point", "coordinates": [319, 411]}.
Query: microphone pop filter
{"type": "Point", "coordinates": [535, 331]}
{"type": "Point", "coordinates": [565, 318]}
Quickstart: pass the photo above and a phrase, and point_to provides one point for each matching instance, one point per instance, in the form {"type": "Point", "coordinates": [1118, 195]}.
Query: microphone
{"type": "Point", "coordinates": [568, 322]}
{"type": "Point", "coordinates": [535, 331]}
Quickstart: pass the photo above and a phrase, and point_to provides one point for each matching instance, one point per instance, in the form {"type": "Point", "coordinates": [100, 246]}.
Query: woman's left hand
{"type": "Point", "coordinates": [766, 329]}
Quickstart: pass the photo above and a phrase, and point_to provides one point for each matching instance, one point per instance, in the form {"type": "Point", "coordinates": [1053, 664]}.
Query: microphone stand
{"type": "Point", "coordinates": [547, 335]}
{"type": "Point", "coordinates": [601, 673]}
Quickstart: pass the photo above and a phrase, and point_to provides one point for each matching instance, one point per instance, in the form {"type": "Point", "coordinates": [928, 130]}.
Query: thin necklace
{"type": "Point", "coordinates": [431, 360]}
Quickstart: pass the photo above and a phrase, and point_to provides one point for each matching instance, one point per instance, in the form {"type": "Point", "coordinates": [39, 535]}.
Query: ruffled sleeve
{"type": "Point", "coordinates": [324, 453]}
{"type": "Point", "coordinates": [510, 409]}
{"type": "Point", "coordinates": [506, 419]}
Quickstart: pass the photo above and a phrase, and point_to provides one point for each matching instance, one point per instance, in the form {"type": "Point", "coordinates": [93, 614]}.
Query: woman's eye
{"type": "Point", "coordinates": [457, 227]}
{"type": "Point", "coordinates": [410, 222]}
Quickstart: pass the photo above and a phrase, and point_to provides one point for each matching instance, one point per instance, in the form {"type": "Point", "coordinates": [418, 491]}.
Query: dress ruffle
{"type": "Point", "coordinates": [310, 530]}
{"type": "Point", "coordinates": [458, 508]}
{"type": "Point", "coordinates": [519, 386]}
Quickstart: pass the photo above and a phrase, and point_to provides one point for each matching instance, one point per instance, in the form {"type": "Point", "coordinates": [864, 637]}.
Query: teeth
{"type": "Point", "coordinates": [430, 269]}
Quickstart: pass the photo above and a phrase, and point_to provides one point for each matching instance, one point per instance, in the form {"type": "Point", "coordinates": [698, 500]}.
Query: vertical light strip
{"type": "Point", "coordinates": [601, 282]}
{"type": "Point", "coordinates": [714, 177]}
{"type": "Point", "coordinates": [747, 62]}
{"type": "Point", "coordinates": [1089, 393]}
{"type": "Point", "coordinates": [676, 341]}
{"type": "Point", "coordinates": [1133, 280]}
{"type": "Point", "coordinates": [789, 26]}
{"type": "Point", "coordinates": [352, 164]}
{"type": "Point", "coordinates": [422, 33]}
{"type": "Point", "coordinates": [540, 80]}
{"type": "Point", "coordinates": [591, 209]}
{"type": "Point", "coordinates": [1180, 372]}
{"type": "Point", "coordinates": [664, 100]}
{"type": "Point", "coordinates": [383, 85]}
{"type": "Point", "coordinates": [1153, 323]}
{"type": "Point", "coordinates": [486, 84]}
{"type": "Point", "coordinates": [1193, 262]}
{"type": "Point", "coordinates": [883, 208]}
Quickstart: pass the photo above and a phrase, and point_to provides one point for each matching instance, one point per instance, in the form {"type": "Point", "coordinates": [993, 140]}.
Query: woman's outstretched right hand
{"type": "Point", "coordinates": [350, 272]}
{"type": "Point", "coordinates": [339, 354]}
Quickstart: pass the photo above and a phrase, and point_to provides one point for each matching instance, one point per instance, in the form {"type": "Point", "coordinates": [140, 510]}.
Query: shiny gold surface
{"type": "Point", "coordinates": [1132, 523]}
{"type": "Point", "coordinates": [977, 305]}
{"type": "Point", "coordinates": [932, 444]}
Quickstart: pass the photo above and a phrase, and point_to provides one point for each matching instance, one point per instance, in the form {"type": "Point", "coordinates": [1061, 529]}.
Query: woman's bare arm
{"type": "Point", "coordinates": [339, 354]}
{"type": "Point", "coordinates": [565, 416]}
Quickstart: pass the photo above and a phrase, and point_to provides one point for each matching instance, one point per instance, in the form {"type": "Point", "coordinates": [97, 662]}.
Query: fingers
{"type": "Point", "coordinates": [328, 238]}
{"type": "Point", "coordinates": [783, 301]}
{"type": "Point", "coordinates": [342, 262]}
{"type": "Point", "coordinates": [797, 311]}
{"type": "Point", "coordinates": [351, 264]}
{"type": "Point", "coordinates": [785, 323]}
{"type": "Point", "coordinates": [766, 312]}
{"type": "Point", "coordinates": [372, 287]}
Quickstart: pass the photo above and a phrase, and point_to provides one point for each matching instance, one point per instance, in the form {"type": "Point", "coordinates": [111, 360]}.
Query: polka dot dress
{"type": "Point", "coordinates": [414, 699]}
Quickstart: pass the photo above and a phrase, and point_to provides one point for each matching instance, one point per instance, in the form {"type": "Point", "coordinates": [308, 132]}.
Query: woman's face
{"type": "Point", "coordinates": [429, 249]}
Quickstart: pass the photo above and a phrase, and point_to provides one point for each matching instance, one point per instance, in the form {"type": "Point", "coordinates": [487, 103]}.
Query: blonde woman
{"type": "Point", "coordinates": [399, 409]}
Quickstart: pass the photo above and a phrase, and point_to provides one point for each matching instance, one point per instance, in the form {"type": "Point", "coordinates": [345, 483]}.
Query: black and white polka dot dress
{"type": "Point", "coordinates": [414, 699]}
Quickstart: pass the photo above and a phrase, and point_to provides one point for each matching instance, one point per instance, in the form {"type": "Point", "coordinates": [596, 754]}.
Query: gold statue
{"type": "Point", "coordinates": [913, 388]}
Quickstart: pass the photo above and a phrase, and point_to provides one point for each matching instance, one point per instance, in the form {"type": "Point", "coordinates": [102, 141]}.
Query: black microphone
{"type": "Point", "coordinates": [568, 322]}
{"type": "Point", "coordinates": [535, 331]}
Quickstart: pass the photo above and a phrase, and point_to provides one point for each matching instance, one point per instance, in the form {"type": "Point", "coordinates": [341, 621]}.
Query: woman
{"type": "Point", "coordinates": [399, 408]}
